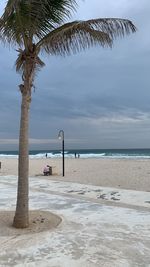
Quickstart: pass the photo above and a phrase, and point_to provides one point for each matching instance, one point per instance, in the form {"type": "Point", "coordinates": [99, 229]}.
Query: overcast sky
{"type": "Point", "coordinates": [99, 97]}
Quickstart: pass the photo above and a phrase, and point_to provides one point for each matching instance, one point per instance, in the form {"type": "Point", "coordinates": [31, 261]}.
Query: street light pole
{"type": "Point", "coordinates": [63, 159]}
{"type": "Point", "coordinates": [61, 136]}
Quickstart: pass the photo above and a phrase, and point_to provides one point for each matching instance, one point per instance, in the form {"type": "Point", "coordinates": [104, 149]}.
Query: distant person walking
{"type": "Point", "coordinates": [46, 155]}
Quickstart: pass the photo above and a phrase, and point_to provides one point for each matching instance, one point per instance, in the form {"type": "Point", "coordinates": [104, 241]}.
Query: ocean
{"type": "Point", "coordinates": [84, 153]}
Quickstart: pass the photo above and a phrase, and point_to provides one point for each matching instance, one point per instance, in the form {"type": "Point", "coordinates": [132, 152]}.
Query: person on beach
{"type": "Point", "coordinates": [46, 155]}
{"type": "Point", "coordinates": [46, 170]}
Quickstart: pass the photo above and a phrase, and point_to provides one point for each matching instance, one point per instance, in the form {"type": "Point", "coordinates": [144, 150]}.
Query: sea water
{"type": "Point", "coordinates": [84, 153]}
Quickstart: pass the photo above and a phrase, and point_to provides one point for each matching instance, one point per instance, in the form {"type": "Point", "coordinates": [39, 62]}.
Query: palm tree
{"type": "Point", "coordinates": [33, 26]}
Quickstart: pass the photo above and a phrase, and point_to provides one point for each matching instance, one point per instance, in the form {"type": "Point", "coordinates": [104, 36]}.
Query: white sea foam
{"type": "Point", "coordinates": [119, 156]}
{"type": "Point", "coordinates": [8, 156]}
{"type": "Point", "coordinates": [82, 155]}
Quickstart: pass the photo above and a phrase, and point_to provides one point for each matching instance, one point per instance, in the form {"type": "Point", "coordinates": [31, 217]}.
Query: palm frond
{"type": "Point", "coordinates": [78, 35]}
{"type": "Point", "coordinates": [42, 6]}
{"type": "Point", "coordinates": [34, 18]}
{"type": "Point", "coordinates": [10, 7]}
{"type": "Point", "coordinates": [115, 27]}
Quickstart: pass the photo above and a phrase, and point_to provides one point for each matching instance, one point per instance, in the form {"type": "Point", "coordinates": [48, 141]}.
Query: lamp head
{"type": "Point", "coordinates": [61, 135]}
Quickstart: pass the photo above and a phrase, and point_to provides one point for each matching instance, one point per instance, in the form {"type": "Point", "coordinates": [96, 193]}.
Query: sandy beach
{"type": "Point", "coordinates": [74, 224]}
{"type": "Point", "coordinates": [120, 173]}
{"type": "Point", "coordinates": [86, 218]}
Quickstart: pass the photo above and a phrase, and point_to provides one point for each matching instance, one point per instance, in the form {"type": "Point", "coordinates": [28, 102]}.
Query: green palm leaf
{"type": "Point", "coordinates": [78, 35]}
{"type": "Point", "coordinates": [34, 18]}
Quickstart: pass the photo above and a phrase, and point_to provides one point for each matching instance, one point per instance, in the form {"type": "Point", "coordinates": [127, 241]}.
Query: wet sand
{"type": "Point", "coordinates": [121, 173]}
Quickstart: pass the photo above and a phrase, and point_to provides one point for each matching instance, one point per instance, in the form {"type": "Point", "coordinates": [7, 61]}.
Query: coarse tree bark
{"type": "Point", "coordinates": [21, 219]}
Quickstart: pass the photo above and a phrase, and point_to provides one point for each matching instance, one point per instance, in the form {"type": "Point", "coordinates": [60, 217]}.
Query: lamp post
{"type": "Point", "coordinates": [61, 136]}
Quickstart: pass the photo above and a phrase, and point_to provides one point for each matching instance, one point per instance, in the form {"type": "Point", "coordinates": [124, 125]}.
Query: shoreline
{"type": "Point", "coordinates": [120, 173]}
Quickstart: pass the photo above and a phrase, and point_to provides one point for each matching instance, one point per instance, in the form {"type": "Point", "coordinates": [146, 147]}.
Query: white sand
{"type": "Point", "coordinates": [93, 232]}
{"type": "Point", "coordinates": [122, 173]}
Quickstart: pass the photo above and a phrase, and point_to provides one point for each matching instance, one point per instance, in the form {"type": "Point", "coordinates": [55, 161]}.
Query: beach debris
{"type": "Point", "coordinates": [81, 193]}
{"type": "Point", "coordinates": [114, 198]}
{"type": "Point", "coordinates": [103, 196]}
{"type": "Point", "coordinates": [113, 193]}
{"type": "Point", "coordinates": [72, 191]}
{"type": "Point", "coordinates": [38, 220]}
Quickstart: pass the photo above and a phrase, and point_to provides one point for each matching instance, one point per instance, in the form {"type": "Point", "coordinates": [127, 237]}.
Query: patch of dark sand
{"type": "Point", "coordinates": [39, 221]}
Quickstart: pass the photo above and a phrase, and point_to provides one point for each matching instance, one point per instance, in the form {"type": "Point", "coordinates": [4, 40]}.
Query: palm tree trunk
{"type": "Point", "coordinates": [21, 219]}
